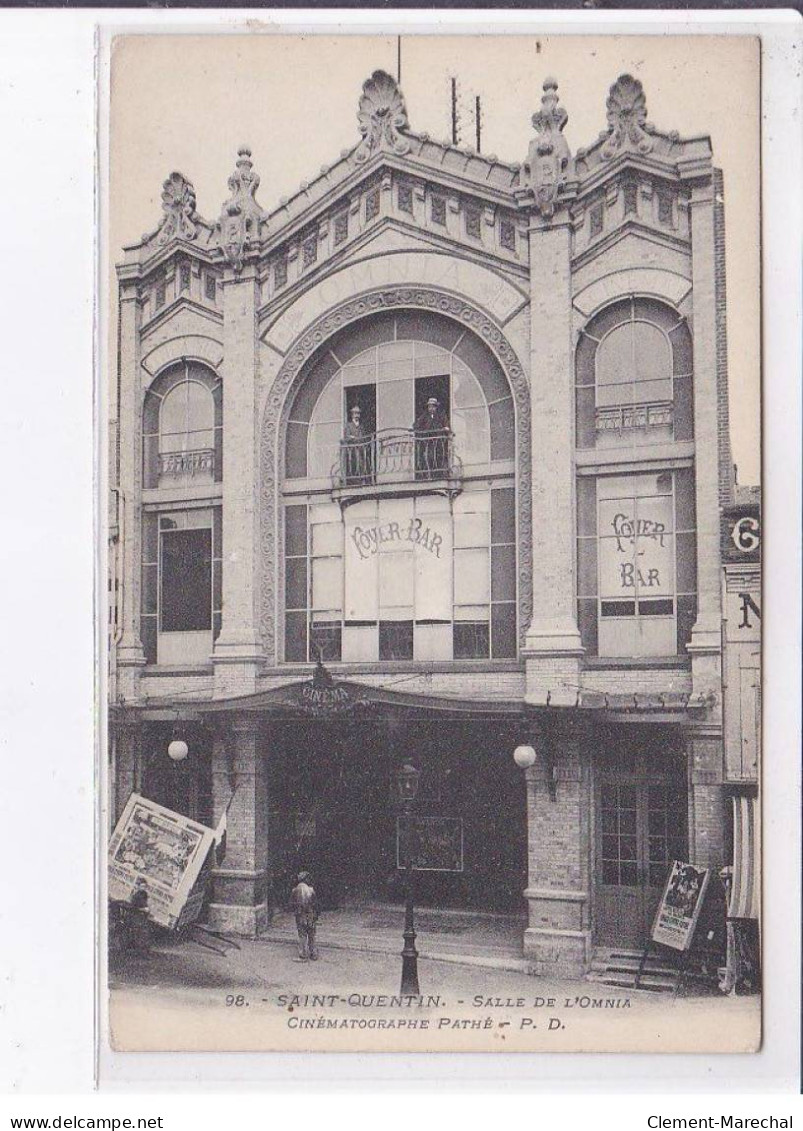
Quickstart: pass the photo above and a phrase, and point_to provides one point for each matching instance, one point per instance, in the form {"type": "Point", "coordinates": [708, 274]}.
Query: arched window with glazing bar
{"type": "Point", "coordinates": [399, 493]}
{"type": "Point", "coordinates": [636, 520]}
{"type": "Point", "coordinates": [182, 427]}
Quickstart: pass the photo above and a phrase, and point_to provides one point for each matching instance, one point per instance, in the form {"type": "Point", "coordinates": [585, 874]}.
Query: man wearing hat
{"type": "Point", "coordinates": [305, 909]}
{"type": "Point", "coordinates": [431, 431]}
{"type": "Point", "coordinates": [358, 447]}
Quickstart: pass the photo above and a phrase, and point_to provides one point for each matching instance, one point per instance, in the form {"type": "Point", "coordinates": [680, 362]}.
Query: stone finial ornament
{"type": "Point", "coordinates": [238, 226]}
{"type": "Point", "coordinates": [382, 115]}
{"type": "Point", "coordinates": [548, 158]}
{"type": "Point", "coordinates": [178, 205]}
{"type": "Point", "coordinates": [627, 118]}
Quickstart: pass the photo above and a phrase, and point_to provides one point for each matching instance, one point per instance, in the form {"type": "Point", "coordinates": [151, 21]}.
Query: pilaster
{"type": "Point", "coordinates": [707, 802]}
{"type": "Point", "coordinates": [238, 650]}
{"type": "Point", "coordinates": [558, 935]}
{"type": "Point", "coordinates": [705, 644]}
{"type": "Point", "coordinates": [130, 654]}
{"type": "Point", "coordinates": [239, 784]}
{"type": "Point", "coordinates": [127, 735]}
{"type": "Point", "coordinates": [552, 645]}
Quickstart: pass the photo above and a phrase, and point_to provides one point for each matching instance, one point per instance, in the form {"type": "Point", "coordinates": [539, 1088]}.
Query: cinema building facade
{"type": "Point", "coordinates": [309, 596]}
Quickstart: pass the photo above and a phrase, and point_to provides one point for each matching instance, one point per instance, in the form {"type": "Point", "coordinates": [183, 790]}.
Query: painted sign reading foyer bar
{"type": "Point", "coordinates": [368, 540]}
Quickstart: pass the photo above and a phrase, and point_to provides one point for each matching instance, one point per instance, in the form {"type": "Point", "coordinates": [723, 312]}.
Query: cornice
{"type": "Point", "coordinates": [171, 309]}
{"type": "Point", "coordinates": [142, 269]}
{"type": "Point", "coordinates": [629, 227]}
{"type": "Point", "coordinates": [434, 242]}
{"type": "Point", "coordinates": [283, 230]}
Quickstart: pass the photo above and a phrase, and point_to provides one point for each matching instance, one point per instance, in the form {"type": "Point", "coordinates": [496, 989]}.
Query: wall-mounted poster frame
{"type": "Point", "coordinates": [437, 844]}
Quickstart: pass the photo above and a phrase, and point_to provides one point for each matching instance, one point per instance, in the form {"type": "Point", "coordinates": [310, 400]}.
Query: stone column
{"type": "Point", "coordinates": [707, 802]}
{"type": "Point", "coordinates": [558, 937]}
{"type": "Point", "coordinates": [127, 736]}
{"type": "Point", "coordinates": [239, 784]}
{"type": "Point", "coordinates": [552, 645]}
{"type": "Point", "coordinates": [238, 650]}
{"type": "Point", "coordinates": [130, 656]}
{"type": "Point", "coordinates": [705, 644]}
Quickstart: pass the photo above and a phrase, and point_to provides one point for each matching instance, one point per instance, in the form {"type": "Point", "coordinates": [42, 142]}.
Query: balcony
{"type": "Point", "coordinates": [628, 418]}
{"type": "Point", "coordinates": [397, 462]}
{"type": "Point", "coordinates": [187, 467]}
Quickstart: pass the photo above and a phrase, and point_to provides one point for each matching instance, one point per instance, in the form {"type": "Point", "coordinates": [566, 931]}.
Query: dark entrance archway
{"type": "Point", "coordinates": [333, 810]}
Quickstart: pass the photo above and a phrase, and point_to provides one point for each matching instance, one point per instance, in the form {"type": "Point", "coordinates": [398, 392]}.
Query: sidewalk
{"type": "Point", "coordinates": [260, 997]}
{"type": "Point", "coordinates": [464, 937]}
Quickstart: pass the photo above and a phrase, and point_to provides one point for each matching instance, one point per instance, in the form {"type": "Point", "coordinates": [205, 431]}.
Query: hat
{"type": "Point", "coordinates": [302, 876]}
{"type": "Point", "coordinates": [432, 400]}
{"type": "Point", "coordinates": [355, 408]}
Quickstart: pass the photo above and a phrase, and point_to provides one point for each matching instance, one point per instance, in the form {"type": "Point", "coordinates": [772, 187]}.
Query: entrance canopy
{"type": "Point", "coordinates": [325, 697]}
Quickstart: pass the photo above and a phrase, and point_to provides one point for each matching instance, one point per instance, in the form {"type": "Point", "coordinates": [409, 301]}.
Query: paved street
{"type": "Point", "coordinates": [262, 997]}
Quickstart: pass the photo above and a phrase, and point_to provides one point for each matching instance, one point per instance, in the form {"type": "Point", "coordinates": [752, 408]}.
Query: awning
{"type": "Point", "coordinates": [325, 696]}
{"type": "Point", "coordinates": [745, 898]}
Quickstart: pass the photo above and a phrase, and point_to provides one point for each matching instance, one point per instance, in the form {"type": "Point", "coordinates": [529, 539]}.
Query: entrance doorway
{"type": "Point", "coordinates": [641, 826]}
{"type": "Point", "coordinates": [333, 811]}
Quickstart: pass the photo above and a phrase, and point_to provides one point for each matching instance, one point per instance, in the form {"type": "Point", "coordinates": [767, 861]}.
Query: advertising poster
{"type": "Point", "coordinates": [680, 906]}
{"type": "Point", "coordinates": [165, 850]}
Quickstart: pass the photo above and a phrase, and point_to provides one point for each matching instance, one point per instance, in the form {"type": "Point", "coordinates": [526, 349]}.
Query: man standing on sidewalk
{"type": "Point", "coordinates": [305, 908]}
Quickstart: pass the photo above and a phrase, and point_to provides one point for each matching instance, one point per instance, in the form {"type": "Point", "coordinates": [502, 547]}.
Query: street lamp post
{"type": "Point", "coordinates": [408, 778]}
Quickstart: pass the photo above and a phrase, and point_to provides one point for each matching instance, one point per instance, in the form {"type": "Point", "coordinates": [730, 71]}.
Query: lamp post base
{"type": "Point", "coordinates": [409, 978]}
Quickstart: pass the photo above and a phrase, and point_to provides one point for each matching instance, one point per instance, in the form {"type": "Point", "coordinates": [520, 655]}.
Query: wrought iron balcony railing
{"type": "Point", "coordinates": [187, 465]}
{"type": "Point", "coordinates": [622, 418]}
{"type": "Point", "coordinates": [398, 457]}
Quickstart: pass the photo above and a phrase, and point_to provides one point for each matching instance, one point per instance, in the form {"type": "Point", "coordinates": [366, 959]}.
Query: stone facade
{"type": "Point", "coordinates": [518, 259]}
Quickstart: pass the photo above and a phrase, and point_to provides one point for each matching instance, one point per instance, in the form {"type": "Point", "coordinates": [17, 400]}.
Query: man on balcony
{"type": "Point", "coordinates": [431, 441]}
{"type": "Point", "coordinates": [356, 448]}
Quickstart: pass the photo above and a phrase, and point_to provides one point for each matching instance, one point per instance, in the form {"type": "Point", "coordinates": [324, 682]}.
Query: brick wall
{"type": "Point", "coordinates": [726, 476]}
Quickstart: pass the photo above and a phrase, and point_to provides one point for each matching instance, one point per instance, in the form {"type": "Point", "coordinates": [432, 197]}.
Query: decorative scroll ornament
{"type": "Point", "coordinates": [382, 114]}
{"type": "Point", "coordinates": [627, 118]}
{"type": "Point", "coordinates": [238, 226]}
{"type": "Point", "coordinates": [548, 157]}
{"type": "Point", "coordinates": [178, 205]}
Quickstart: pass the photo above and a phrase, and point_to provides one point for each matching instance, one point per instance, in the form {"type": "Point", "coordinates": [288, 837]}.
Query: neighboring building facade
{"type": "Point", "coordinates": [741, 683]}
{"type": "Point", "coordinates": [514, 540]}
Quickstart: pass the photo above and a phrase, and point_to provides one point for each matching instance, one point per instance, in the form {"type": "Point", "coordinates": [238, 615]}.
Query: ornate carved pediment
{"type": "Point", "coordinates": [627, 118]}
{"type": "Point", "coordinates": [178, 205]}
{"type": "Point", "coordinates": [549, 158]}
{"type": "Point", "coordinates": [382, 115]}
{"type": "Point", "coordinates": [238, 226]}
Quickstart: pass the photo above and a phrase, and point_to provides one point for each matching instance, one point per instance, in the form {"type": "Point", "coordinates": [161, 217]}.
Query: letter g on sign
{"type": "Point", "coordinates": [745, 534]}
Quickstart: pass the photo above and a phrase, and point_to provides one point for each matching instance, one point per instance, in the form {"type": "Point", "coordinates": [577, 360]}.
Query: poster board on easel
{"type": "Point", "coordinates": [164, 852]}
{"type": "Point", "coordinates": [679, 909]}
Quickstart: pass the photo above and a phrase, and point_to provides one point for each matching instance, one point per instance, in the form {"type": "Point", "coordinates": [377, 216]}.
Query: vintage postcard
{"type": "Point", "coordinates": [434, 543]}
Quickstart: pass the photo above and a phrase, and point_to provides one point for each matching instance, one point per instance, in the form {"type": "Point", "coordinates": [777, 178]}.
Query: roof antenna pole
{"type": "Point", "coordinates": [478, 122]}
{"type": "Point", "coordinates": [454, 111]}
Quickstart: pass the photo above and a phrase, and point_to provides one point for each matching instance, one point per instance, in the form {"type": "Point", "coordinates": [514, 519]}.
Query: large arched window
{"type": "Point", "coordinates": [404, 558]}
{"type": "Point", "coordinates": [182, 553]}
{"type": "Point", "coordinates": [183, 427]}
{"type": "Point", "coordinates": [634, 376]}
{"type": "Point", "coordinates": [391, 384]}
{"type": "Point", "coordinates": [187, 419]}
{"type": "Point", "coordinates": [636, 528]}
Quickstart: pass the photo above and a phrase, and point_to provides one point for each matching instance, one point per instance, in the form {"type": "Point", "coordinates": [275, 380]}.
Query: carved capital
{"type": "Point", "coordinates": [382, 116]}
{"type": "Point", "coordinates": [549, 158]}
{"type": "Point", "coordinates": [178, 205]}
{"type": "Point", "coordinates": [627, 118]}
{"type": "Point", "coordinates": [238, 226]}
